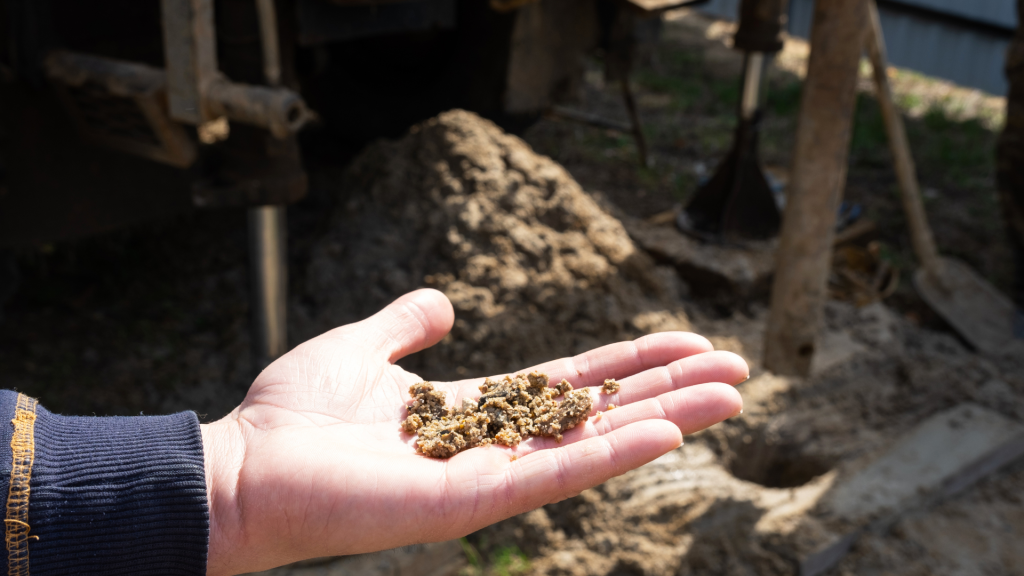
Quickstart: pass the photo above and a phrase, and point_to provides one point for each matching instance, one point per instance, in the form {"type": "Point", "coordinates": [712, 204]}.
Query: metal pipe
{"type": "Point", "coordinates": [268, 40]}
{"type": "Point", "coordinates": [267, 224]}
{"type": "Point", "coordinates": [279, 110]}
{"type": "Point", "coordinates": [198, 92]}
{"type": "Point", "coordinates": [267, 247]}
{"type": "Point", "coordinates": [634, 118]}
{"type": "Point", "coordinates": [753, 68]}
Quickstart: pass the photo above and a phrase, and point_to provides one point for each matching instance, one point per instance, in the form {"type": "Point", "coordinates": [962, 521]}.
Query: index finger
{"type": "Point", "coordinates": [618, 360]}
{"type": "Point", "coordinates": [624, 359]}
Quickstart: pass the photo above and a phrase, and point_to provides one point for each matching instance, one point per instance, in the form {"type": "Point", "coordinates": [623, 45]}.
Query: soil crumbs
{"type": "Point", "coordinates": [508, 412]}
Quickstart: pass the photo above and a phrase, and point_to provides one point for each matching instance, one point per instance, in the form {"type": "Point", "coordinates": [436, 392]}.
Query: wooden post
{"type": "Point", "coordinates": [816, 184]}
{"type": "Point", "coordinates": [906, 174]}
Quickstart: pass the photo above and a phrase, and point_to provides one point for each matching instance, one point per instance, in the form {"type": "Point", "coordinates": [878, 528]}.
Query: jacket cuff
{"type": "Point", "coordinates": [109, 495]}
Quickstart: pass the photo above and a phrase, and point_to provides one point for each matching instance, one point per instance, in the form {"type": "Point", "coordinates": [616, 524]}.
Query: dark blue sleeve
{"type": "Point", "coordinates": [101, 495]}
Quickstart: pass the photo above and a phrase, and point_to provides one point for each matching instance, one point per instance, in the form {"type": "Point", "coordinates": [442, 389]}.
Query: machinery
{"type": "Point", "coordinates": [737, 203]}
{"type": "Point", "coordinates": [118, 111]}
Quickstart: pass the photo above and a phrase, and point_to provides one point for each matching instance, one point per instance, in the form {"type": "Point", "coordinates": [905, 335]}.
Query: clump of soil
{"type": "Point", "coordinates": [508, 412]}
{"type": "Point", "coordinates": [534, 267]}
{"type": "Point", "coordinates": [610, 386]}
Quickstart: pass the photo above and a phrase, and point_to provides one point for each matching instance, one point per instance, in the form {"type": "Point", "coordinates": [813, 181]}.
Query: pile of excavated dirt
{"type": "Point", "coordinates": [533, 266]}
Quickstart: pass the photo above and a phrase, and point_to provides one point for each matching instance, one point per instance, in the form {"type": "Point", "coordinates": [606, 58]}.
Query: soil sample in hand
{"type": "Point", "coordinates": [507, 412]}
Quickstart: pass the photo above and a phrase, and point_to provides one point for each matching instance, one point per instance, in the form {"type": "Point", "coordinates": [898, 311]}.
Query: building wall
{"type": "Point", "coordinates": [964, 41]}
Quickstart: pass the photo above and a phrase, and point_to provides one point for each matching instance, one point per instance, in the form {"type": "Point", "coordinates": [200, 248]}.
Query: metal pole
{"type": "Point", "coordinates": [267, 256]}
{"type": "Point", "coordinates": [268, 40]}
{"type": "Point", "coordinates": [634, 118]}
{"type": "Point", "coordinates": [820, 154]}
{"type": "Point", "coordinates": [268, 242]}
{"type": "Point", "coordinates": [753, 70]}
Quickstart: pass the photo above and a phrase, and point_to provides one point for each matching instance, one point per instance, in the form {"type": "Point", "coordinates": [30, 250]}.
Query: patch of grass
{"type": "Point", "coordinates": [472, 556]}
{"type": "Point", "coordinates": [510, 561]}
{"type": "Point", "coordinates": [725, 96]}
{"type": "Point", "coordinates": [681, 73]}
{"type": "Point", "coordinates": [908, 101]}
{"type": "Point", "coordinates": [502, 561]}
{"type": "Point", "coordinates": [649, 177]}
{"type": "Point", "coordinates": [684, 91]}
{"type": "Point", "coordinates": [869, 141]}
{"type": "Point", "coordinates": [784, 100]}
{"type": "Point", "coordinates": [958, 150]}
{"type": "Point", "coordinates": [948, 152]}
{"type": "Point", "coordinates": [683, 185]}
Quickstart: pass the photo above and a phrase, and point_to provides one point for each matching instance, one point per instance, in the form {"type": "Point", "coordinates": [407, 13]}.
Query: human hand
{"type": "Point", "coordinates": [314, 462]}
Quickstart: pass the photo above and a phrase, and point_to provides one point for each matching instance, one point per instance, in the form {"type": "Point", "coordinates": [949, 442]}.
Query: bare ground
{"type": "Point", "coordinates": [155, 320]}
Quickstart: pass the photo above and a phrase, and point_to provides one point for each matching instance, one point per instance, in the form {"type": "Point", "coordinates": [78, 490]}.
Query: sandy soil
{"type": "Point", "coordinates": [727, 502]}
{"type": "Point", "coordinates": [155, 320]}
{"type": "Point", "coordinates": [523, 252]}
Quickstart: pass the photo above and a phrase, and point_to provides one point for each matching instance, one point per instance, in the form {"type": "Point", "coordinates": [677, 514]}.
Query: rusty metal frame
{"type": "Point", "coordinates": [135, 84]}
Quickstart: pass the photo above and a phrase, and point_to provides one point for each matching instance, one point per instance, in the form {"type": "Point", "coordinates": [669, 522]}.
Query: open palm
{"type": "Point", "coordinates": [314, 463]}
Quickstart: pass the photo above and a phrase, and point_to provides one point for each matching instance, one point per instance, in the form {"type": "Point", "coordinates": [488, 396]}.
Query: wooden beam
{"type": "Point", "coordinates": [818, 175]}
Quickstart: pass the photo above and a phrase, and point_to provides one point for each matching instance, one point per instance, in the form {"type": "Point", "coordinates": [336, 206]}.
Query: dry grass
{"type": "Point", "coordinates": [915, 93]}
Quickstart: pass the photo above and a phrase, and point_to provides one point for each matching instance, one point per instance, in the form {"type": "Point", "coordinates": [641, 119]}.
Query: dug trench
{"type": "Point", "coordinates": [537, 269]}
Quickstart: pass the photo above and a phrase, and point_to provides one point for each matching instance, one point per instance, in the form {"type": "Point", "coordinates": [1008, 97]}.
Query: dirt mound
{"type": "Point", "coordinates": [534, 267]}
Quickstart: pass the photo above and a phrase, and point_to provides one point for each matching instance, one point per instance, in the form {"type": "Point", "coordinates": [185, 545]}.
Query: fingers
{"type": "Point", "coordinates": [624, 358]}
{"type": "Point", "coordinates": [493, 486]}
{"type": "Point", "coordinates": [617, 360]}
{"type": "Point", "coordinates": [690, 409]}
{"type": "Point", "coordinates": [411, 323]}
{"type": "Point", "coordinates": [552, 475]}
{"type": "Point", "coordinates": [718, 366]}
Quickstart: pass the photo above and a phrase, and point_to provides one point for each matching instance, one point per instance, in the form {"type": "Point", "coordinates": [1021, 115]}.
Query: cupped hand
{"type": "Point", "coordinates": [314, 462]}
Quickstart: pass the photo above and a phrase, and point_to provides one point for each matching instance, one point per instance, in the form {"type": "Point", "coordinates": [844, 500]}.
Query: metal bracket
{"type": "Point", "coordinates": [198, 92]}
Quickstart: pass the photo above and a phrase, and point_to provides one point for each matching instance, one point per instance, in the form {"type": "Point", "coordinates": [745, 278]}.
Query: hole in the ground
{"type": "Point", "coordinates": [773, 465]}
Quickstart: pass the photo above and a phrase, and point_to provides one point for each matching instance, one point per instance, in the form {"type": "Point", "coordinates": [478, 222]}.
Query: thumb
{"type": "Point", "coordinates": [411, 323]}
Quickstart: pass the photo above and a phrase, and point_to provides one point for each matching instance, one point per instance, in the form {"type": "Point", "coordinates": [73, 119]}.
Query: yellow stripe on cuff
{"type": "Point", "coordinates": [23, 449]}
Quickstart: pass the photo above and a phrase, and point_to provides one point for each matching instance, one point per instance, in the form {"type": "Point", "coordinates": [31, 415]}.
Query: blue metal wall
{"type": "Point", "coordinates": [960, 40]}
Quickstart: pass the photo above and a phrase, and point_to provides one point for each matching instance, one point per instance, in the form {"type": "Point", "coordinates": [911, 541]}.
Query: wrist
{"type": "Point", "coordinates": [223, 451]}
